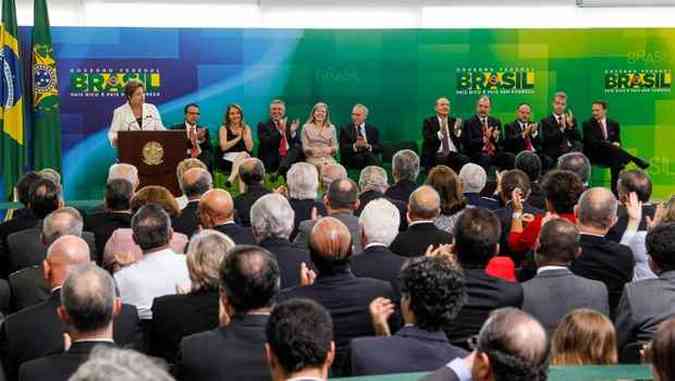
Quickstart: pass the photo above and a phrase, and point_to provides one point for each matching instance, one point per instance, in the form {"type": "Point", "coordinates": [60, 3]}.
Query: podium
{"type": "Point", "coordinates": [155, 154]}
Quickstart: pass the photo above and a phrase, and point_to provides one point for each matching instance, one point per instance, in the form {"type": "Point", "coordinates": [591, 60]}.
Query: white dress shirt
{"type": "Point", "coordinates": [451, 145]}
{"type": "Point", "coordinates": [124, 120]}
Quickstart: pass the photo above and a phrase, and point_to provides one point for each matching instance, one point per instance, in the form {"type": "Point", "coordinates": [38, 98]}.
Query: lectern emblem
{"type": "Point", "coordinates": [153, 153]}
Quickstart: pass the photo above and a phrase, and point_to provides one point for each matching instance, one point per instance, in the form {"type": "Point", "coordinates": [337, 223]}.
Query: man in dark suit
{"type": "Point", "coordinates": [507, 335]}
{"type": "Point", "coordinates": [344, 295]}
{"type": "Point", "coordinates": [28, 287]}
{"type": "Point", "coordinates": [483, 140]}
{"type": "Point", "coordinates": [272, 224]}
{"type": "Point", "coordinates": [523, 134]}
{"type": "Point", "coordinates": [194, 183]}
{"type": "Point", "coordinates": [37, 331]}
{"type": "Point", "coordinates": [216, 211]}
{"type": "Point", "coordinates": [379, 227]}
{"type": "Point", "coordinates": [302, 181]}
{"type": "Point", "coordinates": [602, 259]}
{"type": "Point", "coordinates": [373, 184]}
{"type": "Point", "coordinates": [442, 139]}
{"type": "Point", "coordinates": [432, 291]}
{"type": "Point", "coordinates": [280, 143]}
{"type": "Point", "coordinates": [559, 134]}
{"type": "Point", "coordinates": [197, 140]}
{"type": "Point", "coordinates": [252, 174]}
{"type": "Point", "coordinates": [474, 178]}
{"type": "Point", "coordinates": [359, 141]}
{"type": "Point", "coordinates": [602, 143]}
{"type": "Point", "coordinates": [638, 182]}
{"type": "Point", "coordinates": [476, 242]}
{"type": "Point", "coordinates": [88, 307]}
{"type": "Point", "coordinates": [555, 291]}
{"type": "Point", "coordinates": [405, 167]}
{"type": "Point", "coordinates": [299, 324]}
{"type": "Point", "coordinates": [249, 278]}
{"type": "Point", "coordinates": [647, 303]}
{"type": "Point", "coordinates": [423, 207]}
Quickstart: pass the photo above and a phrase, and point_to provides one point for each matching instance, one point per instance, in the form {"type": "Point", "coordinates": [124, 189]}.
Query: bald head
{"type": "Point", "coordinates": [424, 204]}
{"type": "Point", "coordinates": [64, 254]}
{"type": "Point", "coordinates": [330, 244]}
{"type": "Point", "coordinates": [342, 195]}
{"type": "Point", "coordinates": [215, 208]}
{"type": "Point", "coordinates": [195, 182]}
{"type": "Point", "coordinates": [597, 209]}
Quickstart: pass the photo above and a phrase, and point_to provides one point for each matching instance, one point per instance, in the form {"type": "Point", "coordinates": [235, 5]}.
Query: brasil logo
{"type": "Point", "coordinates": [110, 82]}
{"type": "Point", "coordinates": [637, 81]}
{"type": "Point", "coordinates": [502, 80]}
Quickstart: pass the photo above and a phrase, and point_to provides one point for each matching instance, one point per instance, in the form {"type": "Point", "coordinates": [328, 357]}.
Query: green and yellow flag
{"type": "Point", "coordinates": [12, 139]}
{"type": "Point", "coordinates": [46, 122]}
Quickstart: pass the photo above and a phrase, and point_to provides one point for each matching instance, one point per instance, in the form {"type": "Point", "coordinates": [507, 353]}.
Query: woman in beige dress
{"type": "Point", "coordinates": [319, 137]}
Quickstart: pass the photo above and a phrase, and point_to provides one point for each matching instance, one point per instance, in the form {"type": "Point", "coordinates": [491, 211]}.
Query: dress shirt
{"type": "Point", "coordinates": [451, 145]}
{"type": "Point", "coordinates": [550, 268]}
{"type": "Point", "coordinates": [461, 370]}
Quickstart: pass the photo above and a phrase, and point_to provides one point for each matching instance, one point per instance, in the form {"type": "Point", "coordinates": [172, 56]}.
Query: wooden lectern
{"type": "Point", "coordinates": [156, 154]}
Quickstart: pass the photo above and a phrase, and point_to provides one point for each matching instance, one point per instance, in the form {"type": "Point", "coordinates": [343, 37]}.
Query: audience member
{"type": "Point", "coordinates": [252, 175]}
{"type": "Point", "coordinates": [183, 167]}
{"type": "Point", "coordinates": [577, 163]}
{"type": "Point", "coordinates": [216, 211]}
{"type": "Point", "coordinates": [373, 185]}
{"type": "Point", "coordinates": [632, 181]}
{"type": "Point", "coordinates": [661, 352]}
{"type": "Point", "coordinates": [450, 190]}
{"type": "Point", "coordinates": [303, 190]}
{"type": "Point", "coordinates": [111, 364]}
{"type": "Point", "coordinates": [405, 167]}
{"type": "Point", "coordinates": [194, 183]}
{"type": "Point", "coordinates": [474, 178]}
{"type": "Point", "coordinates": [530, 163]}
{"type": "Point", "coordinates": [123, 171]}
{"type": "Point", "coordinates": [331, 172]}
{"type": "Point", "coordinates": [584, 337]}
{"type": "Point", "coordinates": [23, 194]}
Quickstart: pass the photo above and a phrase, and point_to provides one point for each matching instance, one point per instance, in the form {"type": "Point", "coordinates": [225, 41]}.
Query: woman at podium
{"type": "Point", "coordinates": [135, 114]}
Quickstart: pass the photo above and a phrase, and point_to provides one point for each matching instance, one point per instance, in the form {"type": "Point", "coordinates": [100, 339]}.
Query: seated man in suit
{"type": "Point", "coordinates": [344, 295]}
{"type": "Point", "coordinates": [424, 205]}
{"type": "Point", "coordinates": [601, 259]}
{"type": "Point", "coordinates": [360, 141]}
{"type": "Point", "coordinates": [295, 324]}
{"type": "Point", "coordinates": [37, 331]}
{"type": "Point", "coordinates": [433, 292]}
{"type": "Point", "coordinates": [559, 134]}
{"type": "Point", "coordinates": [474, 178]}
{"type": "Point", "coordinates": [405, 167]}
{"type": "Point", "coordinates": [476, 242]}
{"type": "Point", "coordinates": [194, 183]}
{"type": "Point", "coordinates": [88, 307]}
{"type": "Point", "coordinates": [633, 181]}
{"type": "Point", "coordinates": [249, 278]}
{"type": "Point", "coordinates": [341, 201]}
{"type": "Point", "coordinates": [197, 140]}
{"type": "Point", "coordinates": [555, 291]}
{"type": "Point", "coordinates": [442, 135]}
{"type": "Point", "coordinates": [379, 227]}
{"type": "Point", "coordinates": [510, 346]}
{"type": "Point", "coordinates": [161, 271]}
{"type": "Point", "coordinates": [272, 224]}
{"type": "Point", "coordinates": [216, 211]}
{"type": "Point", "coordinates": [280, 143]}
{"type": "Point", "coordinates": [117, 214]}
{"type": "Point", "coordinates": [483, 140]}
{"type": "Point", "coordinates": [523, 134]}
{"type": "Point", "coordinates": [252, 175]}
{"type": "Point", "coordinates": [577, 163]}
{"type": "Point", "coordinates": [302, 181]}
{"type": "Point", "coordinates": [373, 184]}
{"type": "Point", "coordinates": [602, 143]}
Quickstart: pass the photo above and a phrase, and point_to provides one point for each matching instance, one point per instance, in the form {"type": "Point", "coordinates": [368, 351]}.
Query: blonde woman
{"type": "Point", "coordinates": [584, 337]}
{"type": "Point", "coordinates": [235, 139]}
{"type": "Point", "coordinates": [319, 137]}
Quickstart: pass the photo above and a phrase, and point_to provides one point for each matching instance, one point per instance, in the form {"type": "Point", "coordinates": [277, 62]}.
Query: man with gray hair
{"type": "Point", "coordinates": [424, 205]}
{"type": "Point", "coordinates": [280, 143]}
{"type": "Point", "coordinates": [474, 178]}
{"type": "Point", "coordinates": [88, 306]}
{"type": "Point", "coordinates": [373, 185]}
{"type": "Point", "coordinates": [360, 140]}
{"type": "Point", "coordinates": [405, 167]}
{"type": "Point", "coordinates": [252, 175]}
{"type": "Point", "coordinates": [112, 364]}
{"type": "Point", "coordinates": [442, 135]}
{"type": "Point", "coordinates": [379, 227]}
{"type": "Point", "coordinates": [559, 130]}
{"type": "Point", "coordinates": [195, 182]}
{"type": "Point", "coordinates": [302, 181]}
{"type": "Point", "coordinates": [124, 171]}
{"type": "Point", "coordinates": [601, 259]}
{"type": "Point", "coordinates": [330, 173]}
{"type": "Point", "coordinates": [577, 163]}
{"type": "Point", "coordinates": [272, 224]}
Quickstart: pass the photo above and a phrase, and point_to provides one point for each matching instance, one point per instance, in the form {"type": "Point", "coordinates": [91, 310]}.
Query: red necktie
{"type": "Point", "coordinates": [283, 146]}
{"type": "Point", "coordinates": [488, 147]}
{"type": "Point", "coordinates": [528, 142]}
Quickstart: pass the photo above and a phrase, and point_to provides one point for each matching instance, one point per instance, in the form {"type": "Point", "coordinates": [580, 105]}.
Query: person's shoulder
{"type": "Point", "coordinates": [124, 107]}
{"type": "Point", "coordinates": [197, 340]}
{"type": "Point", "coordinates": [26, 316]}
{"type": "Point", "coordinates": [38, 368]}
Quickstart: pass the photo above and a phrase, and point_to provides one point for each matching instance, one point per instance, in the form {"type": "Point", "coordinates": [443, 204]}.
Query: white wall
{"type": "Point", "coordinates": [349, 14]}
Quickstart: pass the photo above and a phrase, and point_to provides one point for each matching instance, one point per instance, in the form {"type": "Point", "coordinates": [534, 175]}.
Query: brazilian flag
{"type": "Point", "coordinates": [12, 139]}
{"type": "Point", "coordinates": [46, 122]}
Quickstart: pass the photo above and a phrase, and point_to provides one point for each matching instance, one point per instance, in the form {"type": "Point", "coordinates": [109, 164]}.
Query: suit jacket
{"type": "Point", "coordinates": [554, 142]}
{"type": "Point", "coordinates": [238, 234]}
{"type": "Point", "coordinates": [270, 140]}
{"type": "Point", "coordinates": [16, 224]}
{"type": "Point", "coordinates": [351, 221]}
{"type": "Point", "coordinates": [607, 262]}
{"type": "Point", "coordinates": [235, 352]}
{"type": "Point", "coordinates": [594, 141]}
{"type": "Point", "coordinates": [401, 190]}
{"type": "Point", "coordinates": [442, 374]}
{"type": "Point", "coordinates": [245, 201]}
{"type": "Point", "coordinates": [485, 294]}
{"type": "Point", "coordinates": [207, 149]}
{"type": "Point", "coordinates": [288, 257]}
{"type": "Point", "coordinates": [552, 294]}
{"type": "Point", "coordinates": [28, 287]}
{"type": "Point", "coordinates": [348, 138]}
{"type": "Point", "coordinates": [177, 316]}
{"type": "Point", "coordinates": [616, 232]}
{"type": "Point", "coordinates": [378, 262]}
{"type": "Point", "coordinates": [303, 211]}
{"type": "Point", "coordinates": [347, 298]}
{"type": "Point", "coordinates": [514, 141]}
{"type": "Point", "coordinates": [431, 143]}
{"type": "Point", "coordinates": [368, 196]}
{"type": "Point", "coordinates": [473, 134]}
{"type": "Point", "coordinates": [643, 306]}
{"type": "Point", "coordinates": [59, 367]}
{"type": "Point", "coordinates": [102, 225]}
{"type": "Point", "coordinates": [414, 241]}
{"type": "Point", "coordinates": [187, 222]}
{"type": "Point", "coordinates": [411, 349]}
{"type": "Point", "coordinates": [479, 201]}
{"type": "Point", "coordinates": [37, 331]}
{"type": "Point", "coordinates": [26, 248]}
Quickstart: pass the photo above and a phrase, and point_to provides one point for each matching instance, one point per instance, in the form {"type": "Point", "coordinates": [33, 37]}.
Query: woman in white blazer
{"type": "Point", "coordinates": [135, 114]}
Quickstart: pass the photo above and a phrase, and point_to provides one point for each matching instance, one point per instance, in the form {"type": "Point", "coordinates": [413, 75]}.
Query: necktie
{"type": "Point", "coordinates": [283, 145]}
{"type": "Point", "coordinates": [528, 141]}
{"type": "Point", "coordinates": [604, 129]}
{"type": "Point", "coordinates": [444, 133]}
{"type": "Point", "coordinates": [489, 148]}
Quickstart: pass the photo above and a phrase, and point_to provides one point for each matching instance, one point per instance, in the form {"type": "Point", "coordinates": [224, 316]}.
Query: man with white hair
{"type": "Point", "coordinates": [124, 171]}
{"type": "Point", "coordinates": [442, 138]}
{"type": "Point", "coordinates": [359, 140]}
{"type": "Point", "coordinates": [272, 224]}
{"type": "Point", "coordinates": [474, 178]}
{"type": "Point", "coordinates": [302, 181]}
{"type": "Point", "coordinates": [405, 167]}
{"type": "Point", "coordinates": [373, 185]}
{"type": "Point", "coordinates": [379, 226]}
{"type": "Point", "coordinates": [280, 144]}
{"type": "Point", "coordinates": [330, 173]}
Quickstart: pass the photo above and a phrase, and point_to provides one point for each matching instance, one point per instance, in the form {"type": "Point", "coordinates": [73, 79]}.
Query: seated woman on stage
{"type": "Point", "coordinates": [236, 140]}
{"type": "Point", "coordinates": [319, 137]}
{"type": "Point", "coordinates": [135, 114]}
